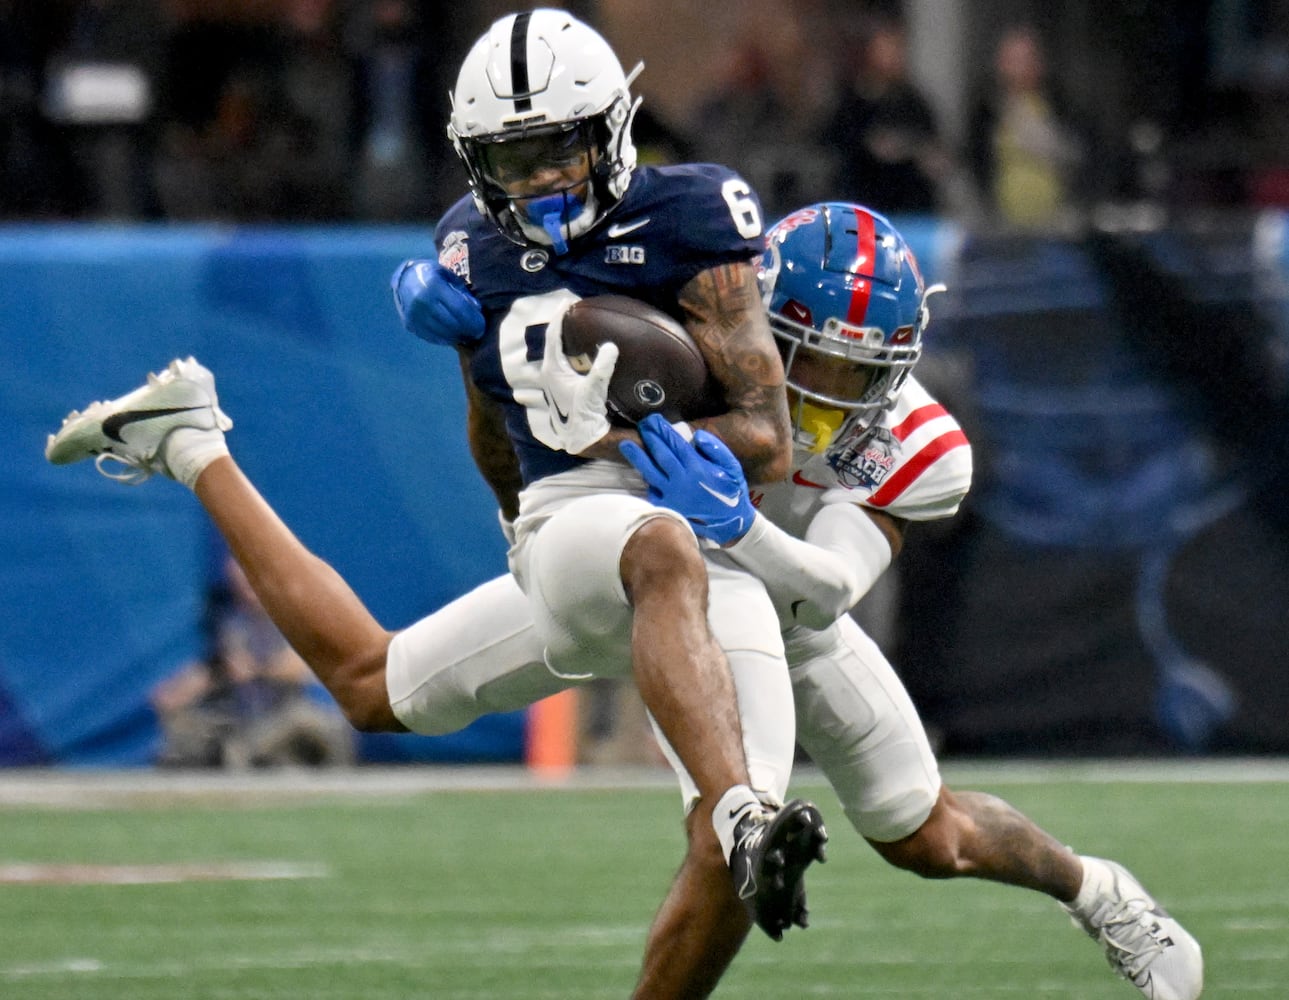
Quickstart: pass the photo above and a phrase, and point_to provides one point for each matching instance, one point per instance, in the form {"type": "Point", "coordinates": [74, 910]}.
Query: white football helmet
{"type": "Point", "coordinates": [544, 78]}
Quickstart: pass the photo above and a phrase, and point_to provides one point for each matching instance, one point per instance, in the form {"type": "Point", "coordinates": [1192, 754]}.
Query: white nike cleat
{"type": "Point", "coordinates": [135, 429]}
{"type": "Point", "coordinates": [1141, 941]}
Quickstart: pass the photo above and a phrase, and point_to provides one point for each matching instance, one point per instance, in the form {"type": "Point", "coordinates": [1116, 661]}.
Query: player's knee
{"type": "Point", "coordinates": [369, 716]}
{"type": "Point", "coordinates": [660, 554]}
{"type": "Point", "coordinates": [933, 850]}
{"type": "Point", "coordinates": [360, 692]}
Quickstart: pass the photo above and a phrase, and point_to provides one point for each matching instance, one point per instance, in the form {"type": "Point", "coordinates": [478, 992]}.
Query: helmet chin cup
{"type": "Point", "coordinates": [553, 213]}
{"type": "Point", "coordinates": [817, 425]}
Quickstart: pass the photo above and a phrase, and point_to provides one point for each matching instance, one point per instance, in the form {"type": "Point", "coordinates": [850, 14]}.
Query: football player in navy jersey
{"type": "Point", "coordinates": [558, 210]}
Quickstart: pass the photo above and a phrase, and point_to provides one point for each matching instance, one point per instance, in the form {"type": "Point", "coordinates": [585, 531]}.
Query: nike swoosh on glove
{"type": "Point", "coordinates": [575, 403]}
{"type": "Point", "coordinates": [700, 480]}
{"type": "Point", "coordinates": [436, 304]}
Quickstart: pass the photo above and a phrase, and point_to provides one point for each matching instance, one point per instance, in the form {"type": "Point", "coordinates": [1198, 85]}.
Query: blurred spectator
{"type": "Point", "coordinates": [764, 117]}
{"type": "Point", "coordinates": [1023, 146]}
{"type": "Point", "coordinates": [100, 84]}
{"type": "Point", "coordinates": [406, 170]}
{"type": "Point", "coordinates": [257, 122]}
{"type": "Point", "coordinates": [882, 132]}
{"type": "Point", "coordinates": [656, 141]}
{"type": "Point", "coordinates": [316, 101]}
{"type": "Point", "coordinates": [252, 702]}
{"type": "Point", "coordinates": [395, 165]}
{"type": "Point", "coordinates": [38, 178]}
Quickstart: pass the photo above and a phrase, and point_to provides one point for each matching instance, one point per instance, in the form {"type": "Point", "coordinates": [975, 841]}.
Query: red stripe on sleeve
{"type": "Point", "coordinates": [920, 416]}
{"type": "Point", "coordinates": [915, 466]}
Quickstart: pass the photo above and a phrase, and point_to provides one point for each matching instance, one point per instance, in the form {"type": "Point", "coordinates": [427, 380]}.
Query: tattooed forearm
{"type": "Point", "coordinates": [724, 314]}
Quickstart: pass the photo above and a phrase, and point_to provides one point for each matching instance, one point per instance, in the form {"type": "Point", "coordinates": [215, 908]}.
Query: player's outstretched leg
{"type": "Point", "coordinates": [772, 851]}
{"type": "Point", "coordinates": [1142, 942]}
{"type": "Point", "coordinates": [133, 430]}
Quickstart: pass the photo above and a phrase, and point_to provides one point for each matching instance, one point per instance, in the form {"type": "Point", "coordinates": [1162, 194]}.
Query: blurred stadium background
{"type": "Point", "coordinates": [1116, 584]}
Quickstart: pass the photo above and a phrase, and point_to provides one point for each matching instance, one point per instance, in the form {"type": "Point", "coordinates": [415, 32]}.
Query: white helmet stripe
{"type": "Point", "coordinates": [519, 62]}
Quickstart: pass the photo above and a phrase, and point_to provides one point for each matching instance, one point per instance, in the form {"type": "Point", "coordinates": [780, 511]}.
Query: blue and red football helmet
{"type": "Point", "coordinates": [838, 280]}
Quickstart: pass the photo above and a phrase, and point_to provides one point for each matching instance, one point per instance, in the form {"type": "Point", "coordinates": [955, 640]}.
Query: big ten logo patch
{"type": "Point", "coordinates": [624, 255]}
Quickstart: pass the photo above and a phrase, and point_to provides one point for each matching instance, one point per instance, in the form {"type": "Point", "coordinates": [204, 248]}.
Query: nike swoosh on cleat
{"type": "Point", "coordinates": [113, 425]}
{"type": "Point", "coordinates": [796, 606]}
{"type": "Point", "coordinates": [727, 501]}
{"type": "Point", "coordinates": [617, 229]}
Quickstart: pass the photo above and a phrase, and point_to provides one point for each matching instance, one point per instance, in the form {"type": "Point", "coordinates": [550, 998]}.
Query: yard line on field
{"type": "Point", "coordinates": [88, 790]}
{"type": "Point", "coordinates": [1274, 924]}
{"type": "Point", "coordinates": [32, 873]}
{"type": "Point", "coordinates": [521, 944]}
{"type": "Point", "coordinates": [169, 968]}
{"type": "Point", "coordinates": [60, 967]}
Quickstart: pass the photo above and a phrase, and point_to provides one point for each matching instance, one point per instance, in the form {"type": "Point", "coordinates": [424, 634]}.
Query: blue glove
{"type": "Point", "coordinates": [435, 304]}
{"type": "Point", "coordinates": [702, 480]}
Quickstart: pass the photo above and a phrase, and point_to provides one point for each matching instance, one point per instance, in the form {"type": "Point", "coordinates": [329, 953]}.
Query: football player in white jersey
{"type": "Point", "coordinates": [847, 304]}
{"type": "Point", "coordinates": [874, 452]}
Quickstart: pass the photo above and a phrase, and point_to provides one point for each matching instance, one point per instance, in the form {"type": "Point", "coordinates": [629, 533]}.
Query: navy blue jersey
{"type": "Point", "coordinates": [673, 223]}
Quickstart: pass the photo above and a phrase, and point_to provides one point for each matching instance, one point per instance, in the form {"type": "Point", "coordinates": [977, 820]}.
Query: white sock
{"type": "Point", "coordinates": [188, 450]}
{"type": "Point", "coordinates": [1095, 877]}
{"type": "Point", "coordinates": [736, 803]}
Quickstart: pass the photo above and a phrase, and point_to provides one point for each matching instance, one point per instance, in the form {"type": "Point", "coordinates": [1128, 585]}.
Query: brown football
{"type": "Point", "coordinates": [659, 370]}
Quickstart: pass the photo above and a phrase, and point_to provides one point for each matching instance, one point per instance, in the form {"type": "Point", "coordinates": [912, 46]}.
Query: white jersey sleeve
{"type": "Point", "coordinates": [916, 467]}
{"type": "Point", "coordinates": [814, 581]}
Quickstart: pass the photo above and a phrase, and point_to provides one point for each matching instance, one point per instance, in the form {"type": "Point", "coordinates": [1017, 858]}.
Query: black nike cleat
{"type": "Point", "coordinates": [772, 851]}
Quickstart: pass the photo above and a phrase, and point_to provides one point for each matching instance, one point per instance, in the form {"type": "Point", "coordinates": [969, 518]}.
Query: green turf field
{"type": "Point", "coordinates": [546, 893]}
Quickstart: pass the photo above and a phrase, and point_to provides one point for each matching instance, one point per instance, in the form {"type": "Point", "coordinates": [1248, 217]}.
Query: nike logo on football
{"type": "Point", "coordinates": [727, 501]}
{"type": "Point", "coordinates": [618, 229]}
{"type": "Point", "coordinates": [113, 425]}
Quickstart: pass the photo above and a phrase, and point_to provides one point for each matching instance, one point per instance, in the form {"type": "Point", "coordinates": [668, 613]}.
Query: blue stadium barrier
{"type": "Point", "coordinates": [352, 428]}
